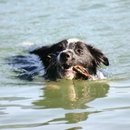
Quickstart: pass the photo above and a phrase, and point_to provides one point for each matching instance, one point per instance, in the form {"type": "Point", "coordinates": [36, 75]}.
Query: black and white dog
{"type": "Point", "coordinates": [59, 58]}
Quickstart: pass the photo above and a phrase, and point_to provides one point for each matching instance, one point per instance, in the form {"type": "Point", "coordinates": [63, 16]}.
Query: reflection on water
{"type": "Point", "coordinates": [30, 105]}
{"type": "Point", "coordinates": [69, 94]}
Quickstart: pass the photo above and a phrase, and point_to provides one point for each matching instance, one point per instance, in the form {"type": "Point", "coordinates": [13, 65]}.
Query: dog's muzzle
{"type": "Point", "coordinates": [65, 61]}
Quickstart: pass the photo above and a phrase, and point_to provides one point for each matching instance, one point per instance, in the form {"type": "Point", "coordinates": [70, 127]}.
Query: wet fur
{"type": "Point", "coordinates": [84, 54]}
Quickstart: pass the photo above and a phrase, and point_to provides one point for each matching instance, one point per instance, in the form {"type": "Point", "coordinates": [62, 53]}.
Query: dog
{"type": "Point", "coordinates": [59, 58]}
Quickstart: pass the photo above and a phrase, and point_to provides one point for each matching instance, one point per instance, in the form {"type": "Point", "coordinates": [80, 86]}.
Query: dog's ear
{"type": "Point", "coordinates": [48, 53]}
{"type": "Point", "coordinates": [44, 54]}
{"type": "Point", "coordinates": [98, 56]}
{"type": "Point", "coordinates": [41, 52]}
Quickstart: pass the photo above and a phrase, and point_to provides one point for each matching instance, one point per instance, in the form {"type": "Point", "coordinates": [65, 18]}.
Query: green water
{"type": "Point", "coordinates": [65, 105]}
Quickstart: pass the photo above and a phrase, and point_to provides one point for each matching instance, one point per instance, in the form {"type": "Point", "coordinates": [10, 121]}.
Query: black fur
{"type": "Point", "coordinates": [60, 56]}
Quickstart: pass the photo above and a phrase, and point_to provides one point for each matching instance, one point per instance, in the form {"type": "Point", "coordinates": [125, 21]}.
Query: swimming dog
{"type": "Point", "coordinates": [59, 58]}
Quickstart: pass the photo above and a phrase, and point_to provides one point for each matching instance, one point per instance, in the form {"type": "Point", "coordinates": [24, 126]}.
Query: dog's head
{"type": "Point", "coordinates": [60, 58]}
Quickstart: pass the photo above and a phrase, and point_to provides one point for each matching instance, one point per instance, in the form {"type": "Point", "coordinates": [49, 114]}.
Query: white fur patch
{"type": "Point", "coordinates": [73, 40]}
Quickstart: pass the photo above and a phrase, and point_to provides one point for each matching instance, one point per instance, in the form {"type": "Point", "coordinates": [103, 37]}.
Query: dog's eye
{"type": "Point", "coordinates": [79, 50]}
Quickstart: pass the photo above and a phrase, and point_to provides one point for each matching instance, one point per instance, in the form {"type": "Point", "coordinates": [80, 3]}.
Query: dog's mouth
{"type": "Point", "coordinates": [68, 72]}
{"type": "Point", "coordinates": [72, 71]}
{"type": "Point", "coordinates": [66, 66]}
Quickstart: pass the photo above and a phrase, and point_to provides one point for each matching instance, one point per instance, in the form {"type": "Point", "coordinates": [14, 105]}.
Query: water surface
{"type": "Point", "coordinates": [67, 105]}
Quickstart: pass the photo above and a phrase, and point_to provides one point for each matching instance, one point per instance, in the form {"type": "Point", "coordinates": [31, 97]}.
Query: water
{"type": "Point", "coordinates": [66, 105]}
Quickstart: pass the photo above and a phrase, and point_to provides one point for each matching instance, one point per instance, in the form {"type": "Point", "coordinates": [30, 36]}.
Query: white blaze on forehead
{"type": "Point", "coordinates": [73, 40]}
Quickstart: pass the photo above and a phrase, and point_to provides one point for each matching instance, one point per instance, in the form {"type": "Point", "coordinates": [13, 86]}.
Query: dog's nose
{"type": "Point", "coordinates": [65, 56]}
